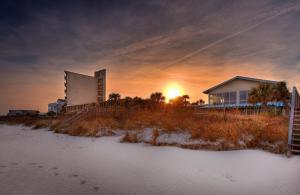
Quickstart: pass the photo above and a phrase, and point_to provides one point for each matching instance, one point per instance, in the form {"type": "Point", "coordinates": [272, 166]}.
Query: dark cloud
{"type": "Point", "coordinates": [137, 39]}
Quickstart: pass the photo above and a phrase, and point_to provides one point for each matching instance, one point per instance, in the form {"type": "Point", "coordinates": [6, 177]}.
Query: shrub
{"type": "Point", "coordinates": [131, 138]}
{"type": "Point", "coordinates": [155, 134]}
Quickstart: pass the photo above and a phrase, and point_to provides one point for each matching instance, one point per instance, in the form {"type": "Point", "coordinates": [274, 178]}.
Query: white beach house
{"type": "Point", "coordinates": [233, 92]}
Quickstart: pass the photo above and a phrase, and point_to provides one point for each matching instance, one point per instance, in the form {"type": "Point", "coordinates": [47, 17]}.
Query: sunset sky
{"type": "Point", "coordinates": [144, 45]}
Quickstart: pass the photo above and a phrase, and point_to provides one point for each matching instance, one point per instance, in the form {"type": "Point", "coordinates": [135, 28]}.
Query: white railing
{"type": "Point", "coordinates": [294, 105]}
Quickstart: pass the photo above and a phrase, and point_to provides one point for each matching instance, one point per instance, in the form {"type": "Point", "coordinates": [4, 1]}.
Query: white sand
{"type": "Point", "coordinates": [38, 162]}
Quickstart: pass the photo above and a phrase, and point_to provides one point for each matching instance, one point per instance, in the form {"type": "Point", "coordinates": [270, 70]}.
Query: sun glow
{"type": "Point", "coordinates": [173, 91]}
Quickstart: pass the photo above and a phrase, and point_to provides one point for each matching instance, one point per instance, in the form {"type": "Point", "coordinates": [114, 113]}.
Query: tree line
{"type": "Point", "coordinates": [155, 100]}
{"type": "Point", "coordinates": [266, 92]}
{"type": "Point", "coordinates": [260, 95]}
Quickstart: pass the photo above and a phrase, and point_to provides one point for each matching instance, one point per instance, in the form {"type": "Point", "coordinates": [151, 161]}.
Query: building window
{"type": "Point", "coordinates": [226, 98]}
{"type": "Point", "coordinates": [220, 98]}
{"type": "Point", "coordinates": [223, 98]}
{"type": "Point", "coordinates": [232, 97]}
{"type": "Point", "coordinates": [216, 99]}
{"type": "Point", "coordinates": [243, 97]}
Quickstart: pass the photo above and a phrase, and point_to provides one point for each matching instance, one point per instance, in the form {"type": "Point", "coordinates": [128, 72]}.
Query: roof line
{"type": "Point", "coordinates": [242, 78]}
{"type": "Point", "coordinates": [78, 73]}
{"type": "Point", "coordinates": [66, 71]}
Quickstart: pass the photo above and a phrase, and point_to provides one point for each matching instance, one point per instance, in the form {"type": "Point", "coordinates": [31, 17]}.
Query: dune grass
{"type": "Point", "coordinates": [235, 129]}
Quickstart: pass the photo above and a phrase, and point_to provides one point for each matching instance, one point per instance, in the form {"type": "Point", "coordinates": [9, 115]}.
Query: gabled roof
{"type": "Point", "coordinates": [241, 78]}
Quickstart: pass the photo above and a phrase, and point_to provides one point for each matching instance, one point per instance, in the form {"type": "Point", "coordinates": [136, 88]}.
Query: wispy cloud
{"type": "Point", "coordinates": [144, 44]}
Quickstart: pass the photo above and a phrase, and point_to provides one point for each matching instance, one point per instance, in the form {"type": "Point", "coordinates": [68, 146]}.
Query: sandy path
{"type": "Point", "coordinates": [35, 162]}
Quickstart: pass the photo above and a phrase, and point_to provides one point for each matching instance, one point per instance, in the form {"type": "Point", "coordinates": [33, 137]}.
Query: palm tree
{"type": "Point", "coordinates": [261, 94]}
{"type": "Point", "coordinates": [185, 99]}
{"type": "Point", "coordinates": [128, 102]}
{"type": "Point", "coordinates": [280, 93]}
{"type": "Point", "coordinates": [156, 100]}
{"type": "Point", "coordinates": [201, 102]}
{"type": "Point", "coordinates": [114, 97]}
{"type": "Point", "coordinates": [178, 101]}
{"type": "Point", "coordinates": [157, 97]}
{"type": "Point", "coordinates": [137, 101]}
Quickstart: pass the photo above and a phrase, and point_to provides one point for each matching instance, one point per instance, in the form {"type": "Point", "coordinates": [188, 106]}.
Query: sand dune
{"type": "Point", "coordinates": [34, 162]}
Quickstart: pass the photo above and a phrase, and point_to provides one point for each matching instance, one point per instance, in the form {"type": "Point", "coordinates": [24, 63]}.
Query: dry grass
{"type": "Point", "coordinates": [34, 122]}
{"type": "Point", "coordinates": [235, 130]}
{"type": "Point", "coordinates": [155, 135]}
{"type": "Point", "coordinates": [131, 138]}
{"type": "Point", "coordinates": [255, 131]}
{"type": "Point", "coordinates": [241, 131]}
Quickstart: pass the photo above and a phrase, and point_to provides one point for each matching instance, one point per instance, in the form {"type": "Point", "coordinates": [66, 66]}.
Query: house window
{"type": "Point", "coordinates": [213, 99]}
{"type": "Point", "coordinates": [226, 98]}
{"type": "Point", "coordinates": [243, 97]}
{"type": "Point", "coordinates": [219, 98]}
{"type": "Point", "coordinates": [232, 97]}
{"type": "Point", "coordinates": [223, 98]}
{"type": "Point", "coordinates": [216, 99]}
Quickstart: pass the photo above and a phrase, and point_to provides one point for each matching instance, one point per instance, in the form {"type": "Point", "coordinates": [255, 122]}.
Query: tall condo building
{"type": "Point", "coordinates": [84, 89]}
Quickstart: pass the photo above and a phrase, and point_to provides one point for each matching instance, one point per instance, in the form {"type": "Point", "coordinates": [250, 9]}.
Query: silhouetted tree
{"type": "Point", "coordinates": [185, 99]}
{"type": "Point", "coordinates": [137, 101]}
{"type": "Point", "coordinates": [114, 98]}
{"type": "Point", "coordinates": [201, 102]}
{"type": "Point", "coordinates": [261, 94]}
{"type": "Point", "coordinates": [280, 93]}
{"type": "Point", "coordinates": [157, 97]}
{"type": "Point", "coordinates": [177, 101]}
{"type": "Point", "coordinates": [265, 93]}
{"type": "Point", "coordinates": [128, 101]}
{"type": "Point", "coordinates": [156, 100]}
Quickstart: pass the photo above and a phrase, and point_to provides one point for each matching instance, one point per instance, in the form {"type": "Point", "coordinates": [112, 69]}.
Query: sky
{"type": "Point", "coordinates": [144, 45]}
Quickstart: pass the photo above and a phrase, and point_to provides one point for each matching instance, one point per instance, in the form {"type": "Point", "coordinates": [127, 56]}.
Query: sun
{"type": "Point", "coordinates": [173, 91]}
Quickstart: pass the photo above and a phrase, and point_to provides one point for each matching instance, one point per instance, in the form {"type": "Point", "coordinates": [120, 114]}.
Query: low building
{"type": "Point", "coordinates": [84, 90]}
{"type": "Point", "coordinates": [233, 92]}
{"type": "Point", "coordinates": [23, 113]}
{"type": "Point", "coordinates": [57, 106]}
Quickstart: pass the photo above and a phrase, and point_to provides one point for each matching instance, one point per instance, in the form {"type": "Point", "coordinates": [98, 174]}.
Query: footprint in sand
{"type": "Point", "coordinates": [40, 166]}
{"type": "Point", "coordinates": [229, 177]}
{"type": "Point", "coordinates": [54, 168]}
{"type": "Point", "coordinates": [82, 182]}
{"type": "Point", "coordinates": [56, 174]}
{"type": "Point", "coordinates": [96, 188]}
{"type": "Point", "coordinates": [74, 175]}
{"type": "Point", "coordinates": [3, 166]}
{"type": "Point", "coordinates": [33, 163]}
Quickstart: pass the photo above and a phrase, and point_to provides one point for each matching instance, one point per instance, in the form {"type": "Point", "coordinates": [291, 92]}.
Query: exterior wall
{"type": "Point", "coordinates": [235, 86]}
{"type": "Point", "coordinates": [80, 89]}
{"type": "Point", "coordinates": [56, 106]}
{"type": "Point", "coordinates": [101, 85]}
